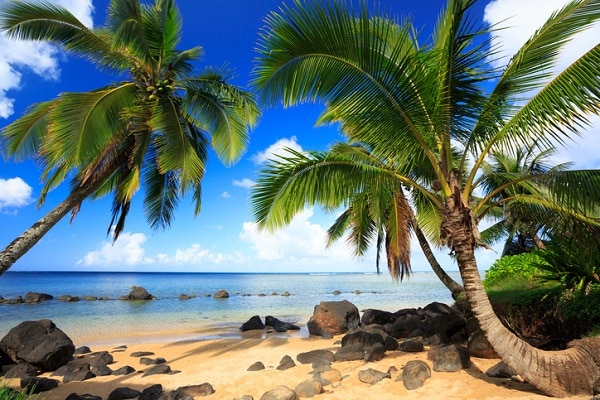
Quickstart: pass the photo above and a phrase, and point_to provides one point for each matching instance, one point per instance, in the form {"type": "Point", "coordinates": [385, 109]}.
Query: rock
{"type": "Point", "coordinates": [39, 343]}
{"type": "Point", "coordinates": [286, 363]}
{"type": "Point", "coordinates": [123, 393]}
{"type": "Point", "coordinates": [34, 385]}
{"type": "Point", "coordinates": [82, 350]}
{"type": "Point", "coordinates": [309, 388]}
{"type": "Point", "coordinates": [403, 325]}
{"type": "Point", "coordinates": [329, 376]}
{"type": "Point", "coordinates": [313, 356]}
{"type": "Point", "coordinates": [450, 358]}
{"type": "Point", "coordinates": [254, 323]}
{"type": "Point", "coordinates": [33, 297]}
{"type": "Point", "coordinates": [372, 376]}
{"type": "Point", "coordinates": [438, 308]}
{"type": "Point", "coordinates": [158, 370]}
{"type": "Point", "coordinates": [139, 293]}
{"type": "Point", "coordinates": [101, 359]}
{"type": "Point", "coordinates": [278, 325]}
{"type": "Point", "coordinates": [411, 346]}
{"type": "Point", "coordinates": [437, 339]}
{"type": "Point", "coordinates": [141, 354]}
{"type": "Point", "coordinates": [21, 371]}
{"type": "Point", "coordinates": [280, 393]}
{"type": "Point", "coordinates": [446, 324]}
{"type": "Point", "coordinates": [153, 392]}
{"type": "Point", "coordinates": [204, 389]}
{"type": "Point", "coordinates": [336, 292]}
{"type": "Point", "coordinates": [75, 396]}
{"type": "Point", "coordinates": [257, 366]}
{"type": "Point", "coordinates": [501, 370]}
{"type": "Point", "coordinates": [371, 316]}
{"type": "Point", "coordinates": [375, 352]}
{"type": "Point", "coordinates": [479, 346]}
{"type": "Point", "coordinates": [152, 361]}
{"type": "Point", "coordinates": [414, 374]}
{"type": "Point", "coordinates": [184, 296]}
{"type": "Point", "coordinates": [126, 370]}
{"type": "Point", "coordinates": [67, 298]}
{"type": "Point", "coordinates": [391, 343]}
{"type": "Point", "coordinates": [221, 294]}
{"type": "Point", "coordinates": [78, 375]}
{"type": "Point", "coordinates": [244, 397]}
{"type": "Point", "coordinates": [366, 339]}
{"type": "Point", "coordinates": [351, 352]}
{"type": "Point", "coordinates": [102, 370]}
{"type": "Point", "coordinates": [335, 317]}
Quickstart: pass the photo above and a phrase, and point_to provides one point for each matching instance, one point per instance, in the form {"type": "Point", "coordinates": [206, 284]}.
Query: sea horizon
{"type": "Point", "coordinates": [288, 296]}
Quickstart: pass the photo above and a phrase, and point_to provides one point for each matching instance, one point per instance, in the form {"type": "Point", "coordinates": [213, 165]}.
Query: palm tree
{"type": "Point", "coordinates": [148, 130]}
{"type": "Point", "coordinates": [423, 102]}
{"type": "Point", "coordinates": [377, 209]}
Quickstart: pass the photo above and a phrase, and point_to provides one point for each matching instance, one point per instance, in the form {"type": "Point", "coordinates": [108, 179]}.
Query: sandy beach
{"type": "Point", "coordinates": [224, 364]}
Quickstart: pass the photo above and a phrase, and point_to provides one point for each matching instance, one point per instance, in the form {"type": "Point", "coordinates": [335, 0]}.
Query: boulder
{"type": "Point", "coordinates": [204, 389]}
{"type": "Point", "coordinates": [450, 358]}
{"type": "Point", "coordinates": [375, 352]}
{"type": "Point", "coordinates": [280, 393]}
{"type": "Point", "coordinates": [158, 370]}
{"type": "Point", "coordinates": [414, 374]}
{"type": "Point", "coordinates": [254, 323]}
{"type": "Point", "coordinates": [67, 298]}
{"type": "Point", "coordinates": [334, 317]}
{"type": "Point", "coordinates": [257, 366]}
{"type": "Point", "coordinates": [479, 346]}
{"type": "Point", "coordinates": [309, 388]}
{"type": "Point", "coordinates": [126, 370]}
{"type": "Point", "coordinates": [313, 356]}
{"type": "Point", "coordinates": [413, 345]}
{"type": "Point", "coordinates": [34, 384]}
{"type": "Point", "coordinates": [329, 376]}
{"type": "Point", "coordinates": [34, 297]}
{"type": "Point", "coordinates": [403, 325]}
{"type": "Point", "coordinates": [39, 343]}
{"type": "Point", "coordinates": [286, 363]}
{"type": "Point", "coordinates": [351, 352]}
{"type": "Point", "coordinates": [372, 376]}
{"type": "Point", "coordinates": [366, 339]}
{"type": "Point", "coordinates": [279, 325]}
{"type": "Point", "coordinates": [139, 293]}
{"type": "Point", "coordinates": [153, 392]}
{"type": "Point", "coordinates": [21, 371]}
{"type": "Point", "coordinates": [221, 294]}
{"type": "Point", "coordinates": [371, 316]}
{"type": "Point", "coordinates": [500, 370]}
{"type": "Point", "coordinates": [123, 393]}
{"type": "Point", "coordinates": [86, 396]}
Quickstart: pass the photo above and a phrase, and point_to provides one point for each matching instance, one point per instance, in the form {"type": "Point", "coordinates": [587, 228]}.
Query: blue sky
{"type": "Point", "coordinates": [223, 237]}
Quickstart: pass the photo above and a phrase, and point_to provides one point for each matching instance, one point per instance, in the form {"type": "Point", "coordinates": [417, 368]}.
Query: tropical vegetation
{"type": "Point", "coordinates": [150, 129]}
{"type": "Point", "coordinates": [438, 111]}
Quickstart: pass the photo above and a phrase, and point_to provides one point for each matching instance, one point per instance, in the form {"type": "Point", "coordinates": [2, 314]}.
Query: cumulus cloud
{"type": "Point", "coordinates": [300, 240]}
{"type": "Point", "coordinates": [127, 250]}
{"type": "Point", "coordinates": [40, 58]}
{"type": "Point", "coordinates": [520, 20]}
{"type": "Point", "coordinates": [245, 183]}
{"type": "Point", "coordinates": [196, 255]}
{"type": "Point", "coordinates": [225, 195]}
{"type": "Point", "coordinates": [277, 149]}
{"type": "Point", "coordinates": [14, 193]}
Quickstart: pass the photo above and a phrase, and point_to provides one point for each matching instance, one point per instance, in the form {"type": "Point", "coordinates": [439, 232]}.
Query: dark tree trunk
{"type": "Point", "coordinates": [557, 373]}
{"type": "Point", "coordinates": [22, 244]}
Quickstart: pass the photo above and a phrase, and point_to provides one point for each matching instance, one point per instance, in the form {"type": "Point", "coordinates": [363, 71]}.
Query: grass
{"type": "Point", "coordinates": [8, 393]}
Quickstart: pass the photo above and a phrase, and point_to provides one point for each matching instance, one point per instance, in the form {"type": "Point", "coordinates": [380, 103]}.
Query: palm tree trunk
{"type": "Point", "coordinates": [455, 288]}
{"type": "Point", "coordinates": [22, 244]}
{"type": "Point", "coordinates": [556, 373]}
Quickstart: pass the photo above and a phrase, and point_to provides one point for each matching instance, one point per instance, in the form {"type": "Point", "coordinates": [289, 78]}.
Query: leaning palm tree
{"type": "Point", "coordinates": [377, 211]}
{"type": "Point", "coordinates": [152, 129]}
{"type": "Point", "coordinates": [425, 101]}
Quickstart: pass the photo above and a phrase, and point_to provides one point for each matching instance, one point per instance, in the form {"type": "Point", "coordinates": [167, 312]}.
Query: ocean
{"type": "Point", "coordinates": [201, 317]}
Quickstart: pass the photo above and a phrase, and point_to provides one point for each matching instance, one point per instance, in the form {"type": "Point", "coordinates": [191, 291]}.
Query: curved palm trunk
{"type": "Point", "coordinates": [22, 244]}
{"type": "Point", "coordinates": [556, 373]}
{"type": "Point", "coordinates": [455, 288]}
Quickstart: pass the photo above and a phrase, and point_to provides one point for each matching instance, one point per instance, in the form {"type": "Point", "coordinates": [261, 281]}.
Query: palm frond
{"type": "Point", "coordinates": [23, 137]}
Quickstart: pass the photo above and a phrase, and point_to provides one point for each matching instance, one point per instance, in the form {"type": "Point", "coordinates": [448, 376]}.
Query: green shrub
{"type": "Point", "coordinates": [521, 268]}
{"type": "Point", "coordinates": [8, 393]}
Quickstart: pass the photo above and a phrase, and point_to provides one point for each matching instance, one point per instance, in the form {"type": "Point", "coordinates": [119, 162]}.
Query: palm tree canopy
{"type": "Point", "coordinates": [152, 129]}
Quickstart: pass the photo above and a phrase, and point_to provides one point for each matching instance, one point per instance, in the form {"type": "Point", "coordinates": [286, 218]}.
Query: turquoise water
{"type": "Point", "coordinates": [117, 321]}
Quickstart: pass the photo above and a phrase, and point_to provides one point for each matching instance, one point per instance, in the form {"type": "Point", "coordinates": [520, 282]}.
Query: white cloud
{"type": "Point", "coordinates": [126, 250]}
{"type": "Point", "coordinates": [196, 255]}
{"type": "Point", "coordinates": [14, 192]}
{"type": "Point", "coordinates": [245, 183]}
{"type": "Point", "coordinates": [520, 20]}
{"type": "Point", "coordinates": [39, 58]}
{"type": "Point", "coordinates": [300, 240]}
{"type": "Point", "coordinates": [225, 195]}
{"type": "Point", "coordinates": [277, 149]}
